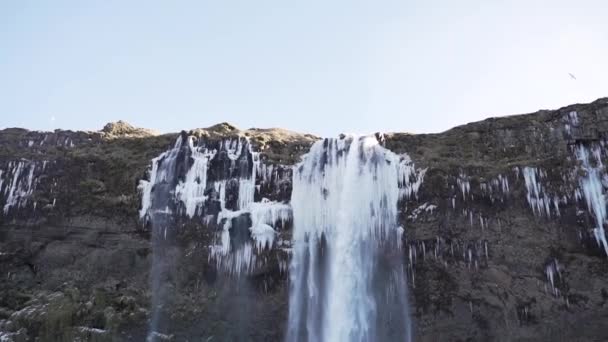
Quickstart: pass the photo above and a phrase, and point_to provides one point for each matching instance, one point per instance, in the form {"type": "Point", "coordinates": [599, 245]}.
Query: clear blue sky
{"type": "Point", "coordinates": [323, 67]}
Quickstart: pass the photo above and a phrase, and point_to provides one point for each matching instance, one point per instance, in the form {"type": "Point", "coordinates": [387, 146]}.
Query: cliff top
{"type": "Point", "coordinates": [513, 139]}
{"type": "Point", "coordinates": [278, 134]}
{"type": "Point", "coordinates": [124, 129]}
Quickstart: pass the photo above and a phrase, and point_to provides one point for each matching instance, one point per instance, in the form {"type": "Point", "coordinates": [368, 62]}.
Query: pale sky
{"type": "Point", "coordinates": [321, 67]}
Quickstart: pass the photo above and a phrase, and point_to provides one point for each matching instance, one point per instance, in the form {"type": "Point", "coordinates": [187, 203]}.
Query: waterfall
{"type": "Point", "coordinates": [158, 206]}
{"type": "Point", "coordinates": [347, 272]}
{"type": "Point", "coordinates": [212, 184]}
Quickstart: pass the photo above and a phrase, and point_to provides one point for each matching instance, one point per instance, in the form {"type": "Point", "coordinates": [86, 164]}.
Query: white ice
{"type": "Point", "coordinates": [21, 183]}
{"type": "Point", "coordinates": [593, 190]}
{"type": "Point", "coordinates": [538, 199]}
{"type": "Point", "coordinates": [263, 235]}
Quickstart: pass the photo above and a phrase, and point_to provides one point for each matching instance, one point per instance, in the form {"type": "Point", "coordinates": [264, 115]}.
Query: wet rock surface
{"type": "Point", "coordinates": [499, 244]}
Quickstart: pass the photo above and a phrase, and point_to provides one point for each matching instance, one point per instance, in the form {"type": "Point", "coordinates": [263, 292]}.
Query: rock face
{"type": "Point", "coordinates": [120, 235]}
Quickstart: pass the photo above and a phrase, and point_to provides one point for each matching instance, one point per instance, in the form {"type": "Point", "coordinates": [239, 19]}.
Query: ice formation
{"type": "Point", "coordinates": [464, 184]}
{"type": "Point", "coordinates": [344, 201]}
{"type": "Point", "coordinates": [553, 273]}
{"type": "Point", "coordinates": [472, 253]}
{"type": "Point", "coordinates": [184, 180]}
{"type": "Point", "coordinates": [241, 258]}
{"type": "Point", "coordinates": [159, 175]}
{"type": "Point", "coordinates": [571, 122]}
{"type": "Point", "coordinates": [191, 191]}
{"type": "Point", "coordinates": [593, 189]}
{"type": "Point", "coordinates": [537, 197]}
{"type": "Point", "coordinates": [20, 181]}
{"type": "Point", "coordinates": [263, 235]}
{"type": "Point", "coordinates": [214, 182]}
{"type": "Point", "coordinates": [410, 177]}
{"type": "Point", "coordinates": [424, 208]}
{"type": "Point", "coordinates": [496, 188]}
{"type": "Point", "coordinates": [269, 213]}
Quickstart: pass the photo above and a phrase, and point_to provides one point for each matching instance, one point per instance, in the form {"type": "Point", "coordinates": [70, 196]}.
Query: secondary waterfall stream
{"type": "Point", "coordinates": [347, 272]}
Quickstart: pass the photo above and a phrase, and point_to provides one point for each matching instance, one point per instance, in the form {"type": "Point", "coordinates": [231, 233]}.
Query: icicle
{"type": "Point", "coordinates": [464, 185]}
{"type": "Point", "coordinates": [552, 271]}
{"type": "Point", "coordinates": [21, 184]}
{"type": "Point", "coordinates": [485, 247]}
{"type": "Point", "coordinates": [263, 235]}
{"type": "Point", "coordinates": [538, 200]}
{"type": "Point", "coordinates": [423, 250]}
{"type": "Point", "coordinates": [190, 190]}
{"type": "Point", "coordinates": [409, 178]}
{"type": "Point", "coordinates": [593, 191]}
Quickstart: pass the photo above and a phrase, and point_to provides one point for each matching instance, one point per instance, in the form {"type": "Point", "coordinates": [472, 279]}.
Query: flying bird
{"type": "Point", "coordinates": [572, 76]}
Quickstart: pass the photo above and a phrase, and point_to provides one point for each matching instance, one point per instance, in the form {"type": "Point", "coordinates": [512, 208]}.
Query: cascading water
{"type": "Point", "coordinates": [347, 272]}
{"type": "Point", "coordinates": [158, 206]}
{"type": "Point", "coordinates": [211, 184]}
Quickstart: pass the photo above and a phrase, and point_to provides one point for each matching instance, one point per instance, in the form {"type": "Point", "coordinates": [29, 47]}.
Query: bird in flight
{"type": "Point", "coordinates": [572, 76]}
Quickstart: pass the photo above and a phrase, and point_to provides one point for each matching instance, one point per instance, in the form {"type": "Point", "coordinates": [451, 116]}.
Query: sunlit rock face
{"type": "Point", "coordinates": [491, 231]}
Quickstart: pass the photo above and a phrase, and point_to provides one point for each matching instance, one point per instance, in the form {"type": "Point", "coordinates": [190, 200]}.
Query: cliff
{"type": "Point", "coordinates": [503, 219]}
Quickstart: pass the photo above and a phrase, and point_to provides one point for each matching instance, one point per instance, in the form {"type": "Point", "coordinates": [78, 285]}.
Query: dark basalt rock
{"type": "Point", "coordinates": [75, 258]}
